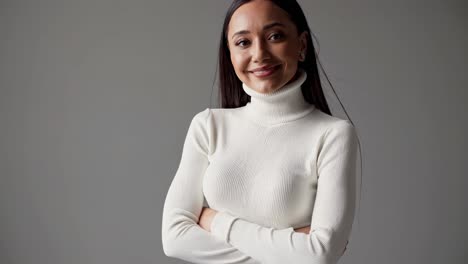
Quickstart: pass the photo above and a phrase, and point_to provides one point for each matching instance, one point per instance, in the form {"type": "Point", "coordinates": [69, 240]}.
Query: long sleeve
{"type": "Point", "coordinates": [182, 237]}
{"type": "Point", "coordinates": [332, 217]}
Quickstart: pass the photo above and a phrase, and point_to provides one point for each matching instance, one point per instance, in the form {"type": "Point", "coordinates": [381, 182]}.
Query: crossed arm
{"type": "Point", "coordinates": [234, 240]}
{"type": "Point", "coordinates": [208, 214]}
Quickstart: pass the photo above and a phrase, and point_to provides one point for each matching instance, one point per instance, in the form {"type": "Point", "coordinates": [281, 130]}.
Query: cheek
{"type": "Point", "coordinates": [239, 63]}
{"type": "Point", "coordinates": [288, 53]}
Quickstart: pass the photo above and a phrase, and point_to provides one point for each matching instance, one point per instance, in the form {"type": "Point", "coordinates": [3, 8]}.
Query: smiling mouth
{"type": "Point", "coordinates": [266, 72]}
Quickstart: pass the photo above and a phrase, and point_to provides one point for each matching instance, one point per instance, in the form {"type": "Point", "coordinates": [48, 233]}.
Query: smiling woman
{"type": "Point", "coordinates": [265, 46]}
{"type": "Point", "coordinates": [270, 176]}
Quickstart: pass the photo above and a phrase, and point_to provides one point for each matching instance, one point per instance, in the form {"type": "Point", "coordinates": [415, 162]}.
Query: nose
{"type": "Point", "coordinates": [260, 51]}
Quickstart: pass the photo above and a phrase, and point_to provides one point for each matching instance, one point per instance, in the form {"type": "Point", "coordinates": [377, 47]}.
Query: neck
{"type": "Point", "coordinates": [283, 105]}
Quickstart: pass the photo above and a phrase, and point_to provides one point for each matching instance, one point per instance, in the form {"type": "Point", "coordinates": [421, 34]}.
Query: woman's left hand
{"type": "Point", "coordinates": [206, 217]}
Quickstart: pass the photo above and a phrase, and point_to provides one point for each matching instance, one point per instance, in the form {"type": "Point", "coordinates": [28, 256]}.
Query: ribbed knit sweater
{"type": "Point", "coordinates": [273, 165]}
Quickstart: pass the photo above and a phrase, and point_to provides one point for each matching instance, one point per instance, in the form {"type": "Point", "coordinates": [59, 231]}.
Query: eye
{"type": "Point", "coordinates": [242, 43]}
{"type": "Point", "coordinates": [276, 36]}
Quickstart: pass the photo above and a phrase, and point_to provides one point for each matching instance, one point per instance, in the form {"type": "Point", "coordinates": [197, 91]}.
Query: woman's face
{"type": "Point", "coordinates": [264, 46]}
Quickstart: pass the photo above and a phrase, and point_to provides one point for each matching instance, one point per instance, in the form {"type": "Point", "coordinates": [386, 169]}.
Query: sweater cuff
{"type": "Point", "coordinates": [221, 225]}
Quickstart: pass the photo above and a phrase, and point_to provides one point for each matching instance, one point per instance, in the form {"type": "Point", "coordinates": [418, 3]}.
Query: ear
{"type": "Point", "coordinates": [303, 41]}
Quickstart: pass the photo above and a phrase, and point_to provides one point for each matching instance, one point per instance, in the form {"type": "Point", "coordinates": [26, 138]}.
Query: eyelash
{"type": "Point", "coordinates": [279, 35]}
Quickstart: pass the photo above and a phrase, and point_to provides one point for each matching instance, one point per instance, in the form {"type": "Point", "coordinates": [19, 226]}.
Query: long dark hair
{"type": "Point", "coordinates": [231, 94]}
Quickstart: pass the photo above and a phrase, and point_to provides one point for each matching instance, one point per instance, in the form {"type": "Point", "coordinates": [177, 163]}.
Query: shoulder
{"type": "Point", "coordinates": [201, 118]}
{"type": "Point", "coordinates": [334, 128]}
{"type": "Point", "coordinates": [198, 125]}
{"type": "Point", "coordinates": [341, 134]}
{"type": "Point", "coordinates": [207, 112]}
{"type": "Point", "coordinates": [201, 115]}
{"type": "Point", "coordinates": [213, 116]}
{"type": "Point", "coordinates": [207, 124]}
{"type": "Point", "coordinates": [209, 119]}
{"type": "Point", "coordinates": [341, 125]}
{"type": "Point", "coordinates": [329, 122]}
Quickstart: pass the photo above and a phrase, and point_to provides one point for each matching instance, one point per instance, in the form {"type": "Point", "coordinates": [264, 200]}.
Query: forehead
{"type": "Point", "coordinates": [254, 15]}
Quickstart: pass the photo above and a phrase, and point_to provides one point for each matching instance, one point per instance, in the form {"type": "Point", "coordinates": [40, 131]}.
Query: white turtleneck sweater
{"type": "Point", "coordinates": [269, 167]}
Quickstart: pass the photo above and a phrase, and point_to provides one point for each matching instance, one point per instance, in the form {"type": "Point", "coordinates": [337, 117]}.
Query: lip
{"type": "Point", "coordinates": [263, 68]}
{"type": "Point", "coordinates": [265, 71]}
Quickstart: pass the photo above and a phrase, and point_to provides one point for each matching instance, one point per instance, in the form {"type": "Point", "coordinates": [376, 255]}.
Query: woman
{"type": "Point", "coordinates": [274, 170]}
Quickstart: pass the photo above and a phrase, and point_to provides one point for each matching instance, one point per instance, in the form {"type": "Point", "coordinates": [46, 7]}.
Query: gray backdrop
{"type": "Point", "coordinates": [96, 98]}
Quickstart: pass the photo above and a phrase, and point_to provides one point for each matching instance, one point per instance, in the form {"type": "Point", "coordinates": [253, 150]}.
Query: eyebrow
{"type": "Point", "coordinates": [274, 24]}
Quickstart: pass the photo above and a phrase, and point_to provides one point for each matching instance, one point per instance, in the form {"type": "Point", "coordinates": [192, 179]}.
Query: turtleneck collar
{"type": "Point", "coordinates": [283, 105]}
